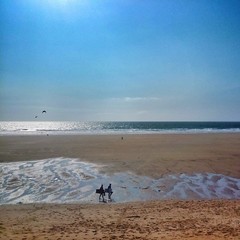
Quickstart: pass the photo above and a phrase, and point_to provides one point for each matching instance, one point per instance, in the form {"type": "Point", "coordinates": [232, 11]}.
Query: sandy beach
{"type": "Point", "coordinates": [216, 219]}
{"type": "Point", "coordinates": [153, 156]}
{"type": "Point", "coordinates": [147, 155]}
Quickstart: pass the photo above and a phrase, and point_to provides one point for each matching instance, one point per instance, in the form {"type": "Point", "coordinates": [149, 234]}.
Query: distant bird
{"type": "Point", "coordinates": [44, 111]}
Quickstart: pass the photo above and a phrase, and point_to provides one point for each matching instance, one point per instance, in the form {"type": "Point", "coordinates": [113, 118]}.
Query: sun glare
{"type": "Point", "coordinates": [57, 3]}
{"type": "Point", "coordinates": [60, 2]}
{"type": "Point", "coordinates": [64, 2]}
{"type": "Point", "coordinates": [66, 7]}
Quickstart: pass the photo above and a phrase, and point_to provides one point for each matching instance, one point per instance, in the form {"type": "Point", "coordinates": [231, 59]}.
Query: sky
{"type": "Point", "coordinates": [120, 60]}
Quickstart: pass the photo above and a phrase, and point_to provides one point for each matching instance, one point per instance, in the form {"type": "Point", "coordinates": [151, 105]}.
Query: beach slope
{"type": "Point", "coordinates": [215, 219]}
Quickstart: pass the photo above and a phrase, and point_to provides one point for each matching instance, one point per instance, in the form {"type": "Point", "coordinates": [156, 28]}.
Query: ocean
{"type": "Point", "coordinates": [78, 128]}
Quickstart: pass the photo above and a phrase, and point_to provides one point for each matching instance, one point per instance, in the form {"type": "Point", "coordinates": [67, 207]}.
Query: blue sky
{"type": "Point", "coordinates": [172, 60]}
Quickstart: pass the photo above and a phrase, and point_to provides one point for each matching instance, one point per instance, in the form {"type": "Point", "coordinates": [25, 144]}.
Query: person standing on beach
{"type": "Point", "coordinates": [110, 192]}
{"type": "Point", "coordinates": [102, 193]}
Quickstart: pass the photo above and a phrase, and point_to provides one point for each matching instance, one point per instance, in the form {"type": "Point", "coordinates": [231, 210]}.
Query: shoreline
{"type": "Point", "coordinates": [64, 180]}
{"type": "Point", "coordinates": [117, 133]}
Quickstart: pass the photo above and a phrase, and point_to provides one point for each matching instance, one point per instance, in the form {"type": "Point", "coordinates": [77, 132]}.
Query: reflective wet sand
{"type": "Point", "coordinates": [65, 180]}
{"type": "Point", "coordinates": [145, 155]}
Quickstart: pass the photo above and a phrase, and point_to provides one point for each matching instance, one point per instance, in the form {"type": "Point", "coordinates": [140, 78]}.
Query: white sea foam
{"type": "Point", "coordinates": [70, 180]}
{"type": "Point", "coordinates": [101, 128]}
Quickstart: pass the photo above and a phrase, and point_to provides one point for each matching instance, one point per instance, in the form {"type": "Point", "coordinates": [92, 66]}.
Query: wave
{"type": "Point", "coordinates": [116, 127]}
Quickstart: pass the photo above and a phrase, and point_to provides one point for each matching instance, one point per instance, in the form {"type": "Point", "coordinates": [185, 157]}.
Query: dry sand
{"type": "Point", "coordinates": [216, 219]}
{"type": "Point", "coordinates": [150, 155]}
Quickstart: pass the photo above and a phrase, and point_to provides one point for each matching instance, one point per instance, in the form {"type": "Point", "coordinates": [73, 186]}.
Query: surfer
{"type": "Point", "coordinates": [110, 192]}
{"type": "Point", "coordinates": [102, 193]}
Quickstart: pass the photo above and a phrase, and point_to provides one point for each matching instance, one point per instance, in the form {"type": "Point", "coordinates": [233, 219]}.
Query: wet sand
{"type": "Point", "coordinates": [146, 155]}
{"type": "Point", "coordinates": [62, 180]}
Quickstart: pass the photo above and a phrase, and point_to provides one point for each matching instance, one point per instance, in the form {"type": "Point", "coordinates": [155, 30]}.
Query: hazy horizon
{"type": "Point", "coordinates": [119, 60]}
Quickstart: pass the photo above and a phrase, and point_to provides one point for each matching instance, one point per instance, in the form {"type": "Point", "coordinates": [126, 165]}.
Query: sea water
{"type": "Point", "coordinates": [56, 128]}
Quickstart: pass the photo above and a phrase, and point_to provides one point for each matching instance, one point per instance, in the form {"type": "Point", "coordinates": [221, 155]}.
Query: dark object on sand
{"type": "Point", "coordinates": [101, 192]}
{"type": "Point", "coordinates": [98, 191]}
